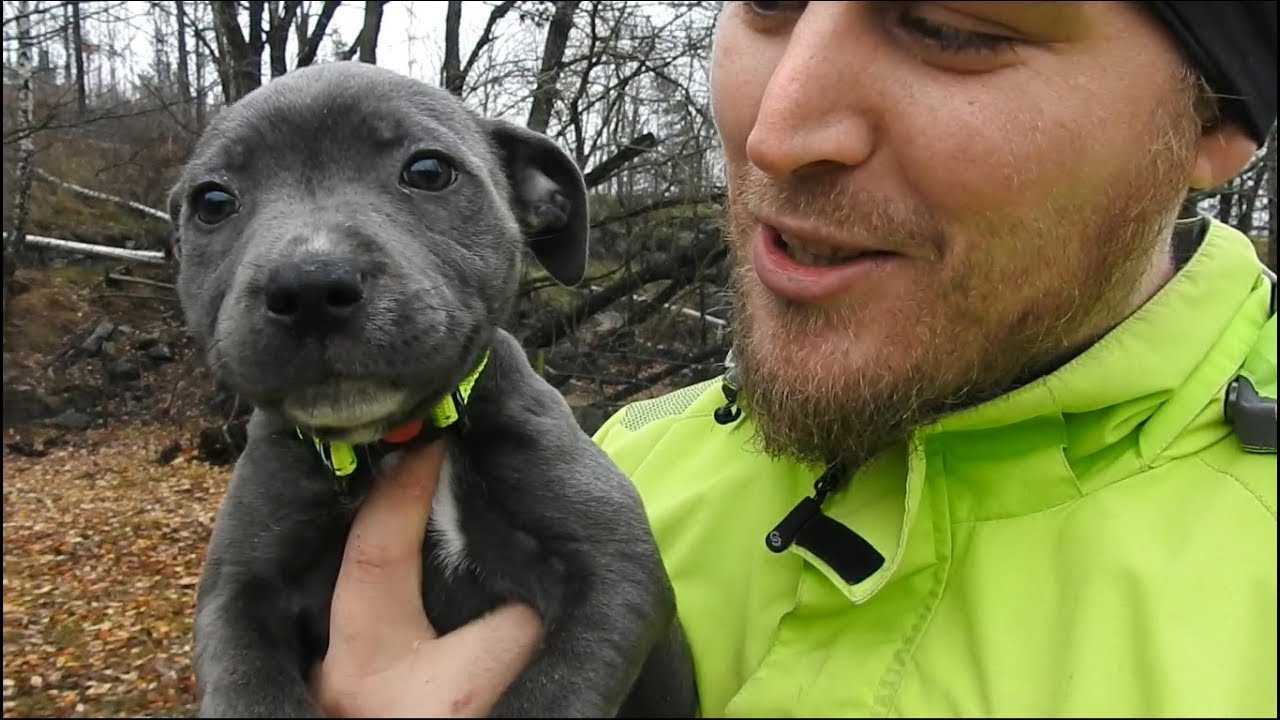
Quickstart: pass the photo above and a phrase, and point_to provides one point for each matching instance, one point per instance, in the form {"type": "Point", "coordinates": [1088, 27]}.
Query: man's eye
{"type": "Point", "coordinates": [775, 8]}
{"type": "Point", "coordinates": [950, 39]}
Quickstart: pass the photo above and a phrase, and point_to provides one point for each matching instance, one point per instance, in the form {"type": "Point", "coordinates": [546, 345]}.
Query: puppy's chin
{"type": "Point", "coordinates": [352, 410]}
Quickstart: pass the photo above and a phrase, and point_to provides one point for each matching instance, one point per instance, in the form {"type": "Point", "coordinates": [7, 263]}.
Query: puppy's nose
{"type": "Point", "coordinates": [313, 296]}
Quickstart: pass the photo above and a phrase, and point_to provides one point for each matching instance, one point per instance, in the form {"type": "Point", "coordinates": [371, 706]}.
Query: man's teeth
{"type": "Point", "coordinates": [809, 255]}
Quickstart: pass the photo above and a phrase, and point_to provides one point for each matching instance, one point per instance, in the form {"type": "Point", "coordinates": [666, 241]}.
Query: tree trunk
{"type": "Point", "coordinates": [454, 73]}
{"type": "Point", "coordinates": [199, 58]}
{"type": "Point", "coordinates": [544, 93]}
{"type": "Point", "coordinates": [78, 40]}
{"type": "Point", "coordinates": [241, 60]}
{"type": "Point", "coordinates": [278, 36]}
{"type": "Point", "coordinates": [184, 70]}
{"type": "Point", "coordinates": [67, 45]}
{"type": "Point", "coordinates": [312, 46]}
{"type": "Point", "coordinates": [26, 149]}
{"type": "Point", "coordinates": [369, 35]}
{"type": "Point", "coordinates": [451, 72]}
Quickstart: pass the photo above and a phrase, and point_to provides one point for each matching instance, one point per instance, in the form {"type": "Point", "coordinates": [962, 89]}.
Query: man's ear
{"type": "Point", "coordinates": [1222, 152]}
{"type": "Point", "coordinates": [549, 198]}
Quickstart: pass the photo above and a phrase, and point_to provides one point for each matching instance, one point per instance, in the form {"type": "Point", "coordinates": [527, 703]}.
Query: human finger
{"type": "Point", "coordinates": [377, 601]}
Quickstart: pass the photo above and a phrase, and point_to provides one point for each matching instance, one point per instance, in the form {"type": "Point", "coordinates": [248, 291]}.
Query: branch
{"type": "Point", "coordinates": [645, 382]}
{"type": "Point", "coordinates": [486, 36]}
{"type": "Point", "coordinates": [664, 204]}
{"type": "Point", "coordinates": [633, 149]}
{"type": "Point", "coordinates": [678, 266]}
{"type": "Point", "coordinates": [308, 54]}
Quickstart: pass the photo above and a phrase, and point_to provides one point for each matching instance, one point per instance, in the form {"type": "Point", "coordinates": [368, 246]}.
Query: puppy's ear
{"type": "Point", "coordinates": [549, 197]}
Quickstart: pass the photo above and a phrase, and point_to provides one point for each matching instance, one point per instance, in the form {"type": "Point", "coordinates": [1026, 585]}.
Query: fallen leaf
{"type": "Point", "coordinates": [102, 550]}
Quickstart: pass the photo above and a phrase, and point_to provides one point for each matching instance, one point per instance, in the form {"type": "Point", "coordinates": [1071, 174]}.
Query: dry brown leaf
{"type": "Point", "coordinates": [102, 554]}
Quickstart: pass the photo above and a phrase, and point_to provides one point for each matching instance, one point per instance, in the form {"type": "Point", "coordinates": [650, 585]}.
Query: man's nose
{"type": "Point", "coordinates": [818, 110]}
{"type": "Point", "coordinates": [313, 296]}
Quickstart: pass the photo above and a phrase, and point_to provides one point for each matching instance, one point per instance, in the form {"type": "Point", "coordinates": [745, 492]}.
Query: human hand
{"type": "Point", "coordinates": [384, 658]}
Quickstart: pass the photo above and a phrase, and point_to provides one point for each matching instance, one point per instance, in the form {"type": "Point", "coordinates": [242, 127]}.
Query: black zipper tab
{"type": "Point", "coordinates": [729, 412]}
{"type": "Point", "coordinates": [840, 547]}
{"type": "Point", "coordinates": [785, 532]}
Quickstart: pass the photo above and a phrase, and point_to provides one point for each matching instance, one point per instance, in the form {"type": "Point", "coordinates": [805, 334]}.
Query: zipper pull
{"type": "Point", "coordinates": [729, 412]}
{"type": "Point", "coordinates": [784, 533]}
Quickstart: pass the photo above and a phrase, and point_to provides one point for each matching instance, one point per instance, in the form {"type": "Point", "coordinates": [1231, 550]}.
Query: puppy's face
{"type": "Point", "coordinates": [348, 239]}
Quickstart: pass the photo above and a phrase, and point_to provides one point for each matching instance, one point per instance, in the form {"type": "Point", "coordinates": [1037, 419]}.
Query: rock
{"type": "Point", "coordinates": [218, 447]}
{"type": "Point", "coordinates": [83, 398]}
{"type": "Point", "coordinates": [147, 342]}
{"type": "Point", "coordinates": [109, 351]}
{"type": "Point", "coordinates": [123, 371]}
{"type": "Point", "coordinates": [93, 344]}
{"type": "Point", "coordinates": [159, 353]}
{"type": "Point", "coordinates": [604, 322]}
{"type": "Point", "coordinates": [169, 453]}
{"type": "Point", "coordinates": [71, 420]}
{"type": "Point", "coordinates": [26, 449]}
{"type": "Point", "coordinates": [26, 404]}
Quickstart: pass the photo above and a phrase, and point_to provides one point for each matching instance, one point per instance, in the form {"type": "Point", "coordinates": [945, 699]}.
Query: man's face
{"type": "Point", "coordinates": [930, 201]}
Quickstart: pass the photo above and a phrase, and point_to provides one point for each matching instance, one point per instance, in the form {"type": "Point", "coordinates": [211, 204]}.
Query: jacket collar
{"type": "Point", "coordinates": [1150, 390]}
{"type": "Point", "coordinates": [1128, 402]}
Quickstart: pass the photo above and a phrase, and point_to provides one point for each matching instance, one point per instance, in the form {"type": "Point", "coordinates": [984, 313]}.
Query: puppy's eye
{"type": "Point", "coordinates": [214, 204]}
{"type": "Point", "coordinates": [430, 173]}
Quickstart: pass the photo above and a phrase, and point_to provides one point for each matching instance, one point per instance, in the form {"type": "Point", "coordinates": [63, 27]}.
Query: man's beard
{"type": "Point", "coordinates": [980, 326]}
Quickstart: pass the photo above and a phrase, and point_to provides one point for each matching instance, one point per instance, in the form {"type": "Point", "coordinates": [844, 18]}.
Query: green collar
{"type": "Point", "coordinates": [340, 456]}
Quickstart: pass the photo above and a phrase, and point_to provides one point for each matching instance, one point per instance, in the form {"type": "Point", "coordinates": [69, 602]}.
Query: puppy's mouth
{"type": "Point", "coordinates": [351, 408]}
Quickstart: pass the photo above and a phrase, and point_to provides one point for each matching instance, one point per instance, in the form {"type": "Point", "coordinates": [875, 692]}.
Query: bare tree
{"type": "Point", "coordinates": [368, 40]}
{"type": "Point", "coordinates": [77, 44]}
{"type": "Point", "coordinates": [544, 93]}
{"type": "Point", "coordinates": [26, 149]}
{"type": "Point", "coordinates": [239, 49]}
{"type": "Point", "coordinates": [454, 73]}
{"type": "Point", "coordinates": [184, 72]}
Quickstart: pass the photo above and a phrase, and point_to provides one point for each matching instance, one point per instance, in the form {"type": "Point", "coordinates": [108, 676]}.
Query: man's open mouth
{"type": "Point", "coordinates": [821, 255]}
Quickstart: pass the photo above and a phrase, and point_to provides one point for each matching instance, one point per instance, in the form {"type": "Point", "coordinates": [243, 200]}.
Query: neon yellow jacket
{"type": "Point", "coordinates": [1095, 543]}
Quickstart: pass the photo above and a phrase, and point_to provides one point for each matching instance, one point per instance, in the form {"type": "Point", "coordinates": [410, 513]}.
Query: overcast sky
{"type": "Point", "coordinates": [411, 40]}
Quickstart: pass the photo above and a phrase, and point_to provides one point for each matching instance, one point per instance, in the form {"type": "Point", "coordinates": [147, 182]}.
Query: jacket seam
{"type": "Point", "coordinates": [896, 674]}
{"type": "Point", "coordinates": [663, 432]}
{"type": "Point", "coordinates": [1261, 500]}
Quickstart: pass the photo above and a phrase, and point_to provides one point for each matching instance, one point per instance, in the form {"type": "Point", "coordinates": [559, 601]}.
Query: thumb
{"type": "Point", "coordinates": [377, 603]}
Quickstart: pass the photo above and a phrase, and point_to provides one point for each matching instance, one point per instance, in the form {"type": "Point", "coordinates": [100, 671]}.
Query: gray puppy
{"type": "Point", "coordinates": [349, 242]}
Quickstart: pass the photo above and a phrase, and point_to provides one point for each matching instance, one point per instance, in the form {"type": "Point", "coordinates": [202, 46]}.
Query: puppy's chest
{"type": "Point", "coordinates": [474, 556]}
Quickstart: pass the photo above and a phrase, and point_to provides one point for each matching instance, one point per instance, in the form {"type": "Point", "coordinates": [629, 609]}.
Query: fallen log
{"type": "Point", "coordinates": [151, 257]}
{"type": "Point", "coordinates": [145, 210]}
{"type": "Point", "coordinates": [137, 296]}
{"type": "Point", "coordinates": [141, 281]}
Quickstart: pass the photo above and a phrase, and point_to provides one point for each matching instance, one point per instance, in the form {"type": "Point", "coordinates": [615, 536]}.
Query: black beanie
{"type": "Point", "coordinates": [1233, 45]}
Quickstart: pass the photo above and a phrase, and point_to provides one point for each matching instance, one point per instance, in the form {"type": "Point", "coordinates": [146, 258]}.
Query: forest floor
{"type": "Point", "coordinates": [107, 510]}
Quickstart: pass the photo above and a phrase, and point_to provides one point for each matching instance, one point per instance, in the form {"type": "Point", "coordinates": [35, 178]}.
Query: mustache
{"type": "Point", "coordinates": [862, 216]}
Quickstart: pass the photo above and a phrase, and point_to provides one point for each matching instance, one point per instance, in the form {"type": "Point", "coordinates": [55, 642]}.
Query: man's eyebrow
{"type": "Point", "coordinates": [1033, 17]}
